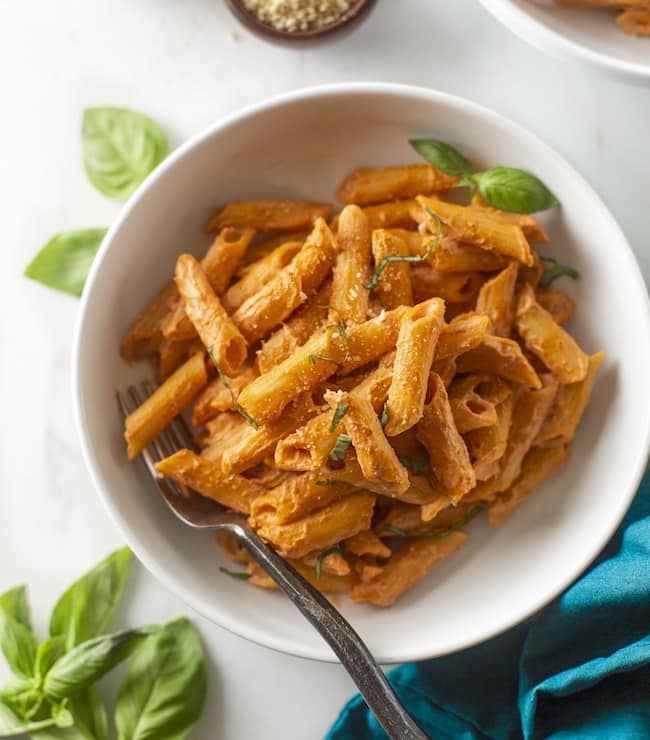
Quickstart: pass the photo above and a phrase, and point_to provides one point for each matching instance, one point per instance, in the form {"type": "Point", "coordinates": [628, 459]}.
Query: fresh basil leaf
{"type": "Point", "coordinates": [64, 262]}
{"type": "Point", "coordinates": [14, 602]}
{"type": "Point", "coordinates": [89, 714]}
{"type": "Point", "coordinates": [318, 565]}
{"type": "Point", "coordinates": [555, 270]}
{"type": "Point", "coordinates": [47, 654]}
{"type": "Point", "coordinates": [88, 662]}
{"type": "Point", "coordinates": [86, 607]}
{"type": "Point", "coordinates": [23, 696]}
{"type": "Point", "coordinates": [120, 148]}
{"type": "Point", "coordinates": [239, 574]}
{"type": "Point", "coordinates": [514, 190]}
{"type": "Point", "coordinates": [11, 725]}
{"type": "Point", "coordinates": [58, 733]}
{"type": "Point", "coordinates": [165, 686]}
{"type": "Point", "coordinates": [18, 644]}
{"type": "Point", "coordinates": [442, 156]}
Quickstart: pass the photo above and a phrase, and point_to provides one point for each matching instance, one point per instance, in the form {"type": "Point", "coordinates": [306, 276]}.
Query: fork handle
{"type": "Point", "coordinates": [338, 633]}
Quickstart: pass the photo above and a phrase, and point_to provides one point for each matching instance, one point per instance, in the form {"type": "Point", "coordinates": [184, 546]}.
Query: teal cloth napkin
{"type": "Point", "coordinates": [579, 669]}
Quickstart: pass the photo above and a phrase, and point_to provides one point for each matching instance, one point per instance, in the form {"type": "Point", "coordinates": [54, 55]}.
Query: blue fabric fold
{"type": "Point", "coordinates": [579, 669]}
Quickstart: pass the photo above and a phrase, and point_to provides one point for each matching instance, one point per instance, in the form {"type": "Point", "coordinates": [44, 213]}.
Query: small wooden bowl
{"type": "Point", "coordinates": [354, 15]}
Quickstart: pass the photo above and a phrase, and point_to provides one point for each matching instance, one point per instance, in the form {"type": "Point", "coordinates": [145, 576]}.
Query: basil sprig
{"type": "Point", "coordinates": [52, 695]}
{"type": "Point", "coordinates": [417, 467]}
{"type": "Point", "coordinates": [555, 270]}
{"type": "Point", "coordinates": [342, 445]}
{"type": "Point", "coordinates": [339, 412]}
{"type": "Point", "coordinates": [64, 262]}
{"type": "Point", "coordinates": [318, 565]}
{"type": "Point", "coordinates": [224, 381]}
{"type": "Point", "coordinates": [120, 148]}
{"type": "Point", "coordinates": [506, 188]}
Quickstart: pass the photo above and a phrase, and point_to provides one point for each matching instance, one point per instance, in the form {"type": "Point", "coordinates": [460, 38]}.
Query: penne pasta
{"type": "Point", "coordinates": [145, 332]}
{"type": "Point", "coordinates": [447, 451]}
{"type": "Point", "coordinates": [375, 185]}
{"type": "Point", "coordinates": [405, 569]}
{"type": "Point", "coordinates": [144, 424]}
{"type": "Point", "coordinates": [349, 296]}
{"type": "Point", "coordinates": [533, 230]}
{"type": "Point", "coordinates": [548, 340]}
{"type": "Point", "coordinates": [452, 287]}
{"type": "Point", "coordinates": [488, 445]}
{"type": "Point", "coordinates": [376, 458]}
{"type": "Point", "coordinates": [416, 344]}
{"type": "Point", "coordinates": [205, 477]}
{"type": "Point", "coordinates": [225, 345]}
{"type": "Point", "coordinates": [269, 215]}
{"type": "Point", "coordinates": [559, 305]}
{"type": "Point", "coordinates": [473, 400]}
{"type": "Point", "coordinates": [217, 397]}
{"type": "Point", "coordinates": [496, 299]}
{"type": "Point", "coordinates": [395, 214]}
{"type": "Point", "coordinates": [462, 334]}
{"type": "Point", "coordinates": [482, 229]}
{"type": "Point", "coordinates": [453, 256]}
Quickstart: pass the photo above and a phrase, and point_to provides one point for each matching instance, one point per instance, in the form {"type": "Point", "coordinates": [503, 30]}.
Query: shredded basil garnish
{"type": "Point", "coordinates": [384, 416]}
{"type": "Point", "coordinates": [343, 442]}
{"type": "Point", "coordinates": [247, 417]}
{"type": "Point", "coordinates": [318, 565]}
{"type": "Point", "coordinates": [340, 411]}
{"type": "Point", "coordinates": [312, 359]}
{"type": "Point", "coordinates": [556, 270]}
{"type": "Point", "coordinates": [236, 574]}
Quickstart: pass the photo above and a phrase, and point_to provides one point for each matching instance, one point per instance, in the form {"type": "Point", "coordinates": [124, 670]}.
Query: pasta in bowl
{"type": "Point", "coordinates": [357, 427]}
{"type": "Point", "coordinates": [502, 573]}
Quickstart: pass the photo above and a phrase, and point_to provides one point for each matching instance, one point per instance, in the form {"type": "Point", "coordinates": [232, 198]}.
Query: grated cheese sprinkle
{"type": "Point", "coordinates": [298, 15]}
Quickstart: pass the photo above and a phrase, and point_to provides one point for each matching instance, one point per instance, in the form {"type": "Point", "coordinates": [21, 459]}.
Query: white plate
{"type": "Point", "coordinates": [300, 145]}
{"type": "Point", "coordinates": [589, 35]}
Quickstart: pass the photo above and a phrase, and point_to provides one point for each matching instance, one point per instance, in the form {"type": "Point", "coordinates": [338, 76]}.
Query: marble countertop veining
{"type": "Point", "coordinates": [186, 64]}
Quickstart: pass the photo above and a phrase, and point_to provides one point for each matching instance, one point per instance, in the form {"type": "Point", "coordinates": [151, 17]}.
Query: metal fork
{"type": "Point", "coordinates": [201, 513]}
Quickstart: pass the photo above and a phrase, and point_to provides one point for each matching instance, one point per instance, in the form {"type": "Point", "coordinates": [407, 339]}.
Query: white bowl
{"type": "Point", "coordinates": [300, 145]}
{"type": "Point", "coordinates": [588, 35]}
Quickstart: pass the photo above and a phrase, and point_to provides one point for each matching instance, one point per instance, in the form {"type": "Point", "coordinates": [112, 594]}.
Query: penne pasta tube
{"type": "Point", "coordinates": [224, 426]}
{"type": "Point", "coordinates": [261, 248]}
{"type": "Point", "coordinates": [448, 454]}
{"type": "Point", "coordinates": [473, 400]}
{"type": "Point", "coordinates": [376, 458]}
{"type": "Point", "coordinates": [478, 227]}
{"type": "Point", "coordinates": [570, 402]}
{"type": "Point", "coordinates": [496, 299]}
{"type": "Point", "coordinates": [269, 215]}
{"type": "Point", "coordinates": [416, 344]}
{"type": "Point", "coordinates": [395, 214]}
{"type": "Point", "coordinates": [219, 265]}
{"type": "Point", "coordinates": [446, 369]}
{"type": "Point", "coordinates": [499, 356]}
{"type": "Point", "coordinates": [145, 423]}
{"type": "Point", "coordinates": [226, 346]}
{"type": "Point", "coordinates": [405, 569]}
{"type": "Point", "coordinates": [330, 562]}
{"type": "Point", "coordinates": [255, 445]}
{"type": "Point", "coordinates": [558, 304]}
{"type": "Point", "coordinates": [538, 465]}
{"type": "Point", "coordinates": [205, 477]}
{"type": "Point", "coordinates": [274, 302]}
{"type": "Point", "coordinates": [548, 340]}
{"type": "Point", "coordinates": [367, 543]}
{"type": "Point", "coordinates": [452, 287]}
{"type": "Point", "coordinates": [533, 230]}
{"type": "Point", "coordinates": [349, 296]}
{"type": "Point", "coordinates": [260, 273]}
{"type": "Point", "coordinates": [321, 529]}
{"type": "Point", "coordinates": [375, 185]}
{"type": "Point", "coordinates": [296, 497]}
{"type": "Point", "coordinates": [463, 333]}
{"type": "Point", "coordinates": [216, 397]}
{"type": "Point", "coordinates": [456, 256]}
{"type": "Point", "coordinates": [394, 286]}
{"type": "Point", "coordinates": [328, 583]}
{"type": "Point", "coordinates": [411, 237]}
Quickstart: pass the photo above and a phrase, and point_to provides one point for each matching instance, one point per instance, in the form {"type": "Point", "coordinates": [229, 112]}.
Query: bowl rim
{"type": "Point", "coordinates": [538, 34]}
{"type": "Point", "coordinates": [103, 488]}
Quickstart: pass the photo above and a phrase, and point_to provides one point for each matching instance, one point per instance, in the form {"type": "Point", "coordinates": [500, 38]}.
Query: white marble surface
{"type": "Point", "coordinates": [186, 63]}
